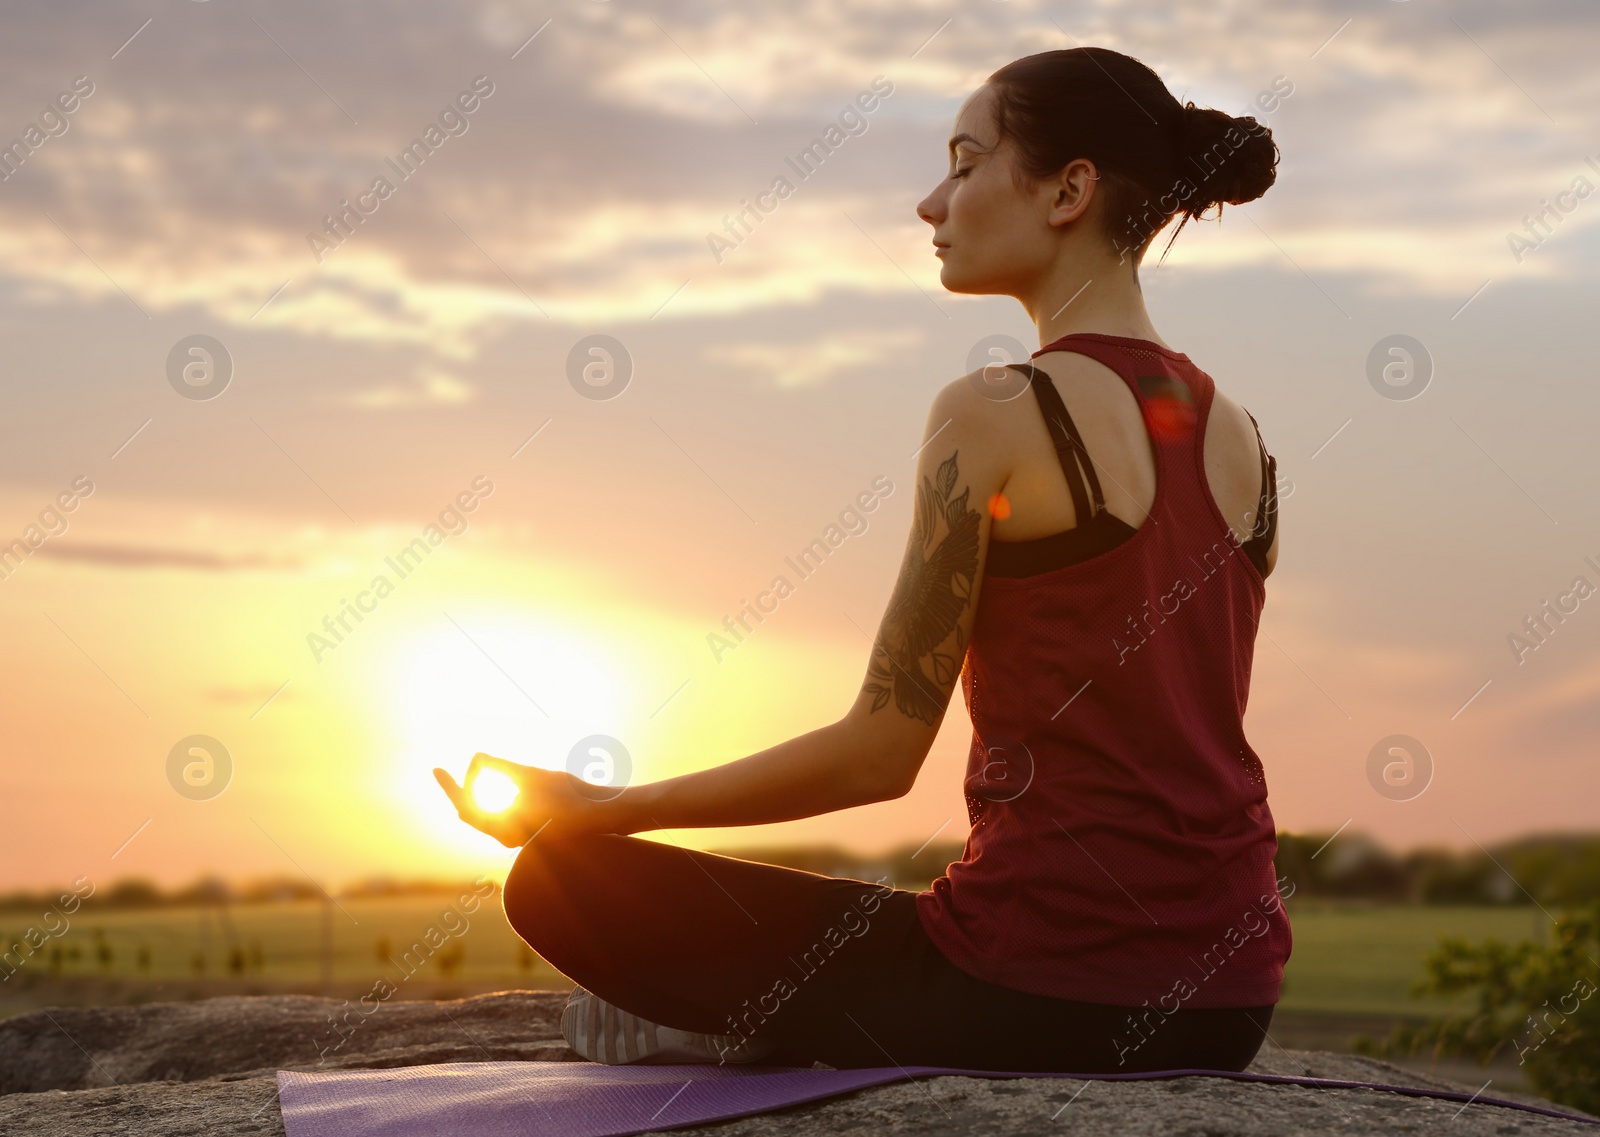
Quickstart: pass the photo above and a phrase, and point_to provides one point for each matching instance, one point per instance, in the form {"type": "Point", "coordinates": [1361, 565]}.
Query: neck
{"type": "Point", "coordinates": [1098, 295]}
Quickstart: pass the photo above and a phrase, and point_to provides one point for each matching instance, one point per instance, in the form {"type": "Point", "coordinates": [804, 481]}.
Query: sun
{"type": "Point", "coordinates": [517, 685]}
{"type": "Point", "coordinates": [492, 791]}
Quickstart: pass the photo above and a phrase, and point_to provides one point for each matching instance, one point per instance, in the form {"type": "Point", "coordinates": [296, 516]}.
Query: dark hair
{"type": "Point", "coordinates": [1158, 159]}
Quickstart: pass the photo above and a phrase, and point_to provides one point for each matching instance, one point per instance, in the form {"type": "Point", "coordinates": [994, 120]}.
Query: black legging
{"type": "Point", "coordinates": [833, 969]}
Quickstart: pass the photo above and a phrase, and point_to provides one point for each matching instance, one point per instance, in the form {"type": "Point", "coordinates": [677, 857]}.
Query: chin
{"type": "Point", "coordinates": [955, 278]}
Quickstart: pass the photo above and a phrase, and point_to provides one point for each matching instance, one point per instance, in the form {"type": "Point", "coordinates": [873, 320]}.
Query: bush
{"type": "Point", "coordinates": [132, 894]}
{"type": "Point", "coordinates": [1536, 998]}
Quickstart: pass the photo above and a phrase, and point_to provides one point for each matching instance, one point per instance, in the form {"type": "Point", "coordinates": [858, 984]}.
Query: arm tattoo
{"type": "Point", "coordinates": [934, 588]}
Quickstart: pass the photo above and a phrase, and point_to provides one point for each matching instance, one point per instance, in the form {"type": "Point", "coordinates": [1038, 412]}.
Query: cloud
{"type": "Point", "coordinates": [146, 557]}
{"type": "Point", "coordinates": [431, 388]}
{"type": "Point", "coordinates": [815, 361]}
{"type": "Point", "coordinates": [583, 188]}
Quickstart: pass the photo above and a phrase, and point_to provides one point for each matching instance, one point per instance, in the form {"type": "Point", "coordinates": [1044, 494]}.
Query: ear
{"type": "Point", "coordinates": [1071, 191]}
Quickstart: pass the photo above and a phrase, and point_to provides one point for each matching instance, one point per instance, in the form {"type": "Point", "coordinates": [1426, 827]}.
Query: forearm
{"type": "Point", "coordinates": [824, 770]}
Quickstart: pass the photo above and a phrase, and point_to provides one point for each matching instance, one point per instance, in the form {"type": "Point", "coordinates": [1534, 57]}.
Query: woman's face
{"type": "Point", "coordinates": [991, 238]}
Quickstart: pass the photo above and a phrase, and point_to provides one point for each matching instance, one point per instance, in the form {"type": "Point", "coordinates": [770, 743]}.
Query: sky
{"type": "Point", "coordinates": [205, 509]}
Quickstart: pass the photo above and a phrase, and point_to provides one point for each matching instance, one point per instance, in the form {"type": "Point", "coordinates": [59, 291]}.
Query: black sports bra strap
{"type": "Point", "coordinates": [1266, 519]}
{"type": "Point", "coordinates": [1069, 445]}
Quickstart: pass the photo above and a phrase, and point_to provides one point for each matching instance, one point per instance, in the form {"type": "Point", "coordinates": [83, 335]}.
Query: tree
{"type": "Point", "coordinates": [1535, 997]}
{"type": "Point", "coordinates": [102, 949]}
{"type": "Point", "coordinates": [450, 959]}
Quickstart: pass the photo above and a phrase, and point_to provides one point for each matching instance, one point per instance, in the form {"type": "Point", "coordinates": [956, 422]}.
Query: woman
{"type": "Point", "coordinates": [1076, 559]}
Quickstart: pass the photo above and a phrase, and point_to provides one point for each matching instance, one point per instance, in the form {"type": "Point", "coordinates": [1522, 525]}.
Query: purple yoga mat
{"type": "Point", "coordinates": [585, 1099]}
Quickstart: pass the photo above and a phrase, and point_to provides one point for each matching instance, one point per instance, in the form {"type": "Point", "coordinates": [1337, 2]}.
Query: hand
{"type": "Point", "coordinates": [545, 797]}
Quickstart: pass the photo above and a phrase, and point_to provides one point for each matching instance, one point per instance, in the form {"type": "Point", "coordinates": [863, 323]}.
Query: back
{"type": "Point", "coordinates": [1122, 846]}
{"type": "Point", "coordinates": [1111, 423]}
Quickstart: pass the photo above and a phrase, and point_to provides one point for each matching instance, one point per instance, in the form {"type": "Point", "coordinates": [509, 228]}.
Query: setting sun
{"type": "Point", "coordinates": [514, 682]}
{"type": "Point", "coordinates": [492, 791]}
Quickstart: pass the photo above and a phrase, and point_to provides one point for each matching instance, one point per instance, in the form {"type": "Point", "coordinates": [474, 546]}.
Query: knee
{"type": "Point", "coordinates": [544, 876]}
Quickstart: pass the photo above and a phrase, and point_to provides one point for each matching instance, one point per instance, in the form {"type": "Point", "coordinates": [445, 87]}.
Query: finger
{"type": "Point", "coordinates": [466, 809]}
{"type": "Point", "coordinates": [482, 823]}
{"type": "Point", "coordinates": [457, 795]}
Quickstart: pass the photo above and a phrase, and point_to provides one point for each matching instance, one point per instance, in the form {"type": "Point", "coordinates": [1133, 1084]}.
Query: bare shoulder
{"type": "Point", "coordinates": [1231, 423]}
{"type": "Point", "coordinates": [974, 398]}
{"type": "Point", "coordinates": [970, 409]}
{"type": "Point", "coordinates": [994, 400]}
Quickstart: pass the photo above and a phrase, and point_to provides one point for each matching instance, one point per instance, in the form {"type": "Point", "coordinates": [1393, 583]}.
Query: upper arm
{"type": "Point", "coordinates": [1272, 549]}
{"type": "Point", "coordinates": [1238, 482]}
{"type": "Point", "coordinates": [918, 653]}
{"type": "Point", "coordinates": [1269, 489]}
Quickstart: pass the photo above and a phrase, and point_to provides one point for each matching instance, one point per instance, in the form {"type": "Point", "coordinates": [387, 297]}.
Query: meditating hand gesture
{"type": "Point", "coordinates": [543, 798]}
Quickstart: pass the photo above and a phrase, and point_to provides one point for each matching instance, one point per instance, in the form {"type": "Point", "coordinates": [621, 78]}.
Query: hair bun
{"type": "Point", "coordinates": [1230, 160]}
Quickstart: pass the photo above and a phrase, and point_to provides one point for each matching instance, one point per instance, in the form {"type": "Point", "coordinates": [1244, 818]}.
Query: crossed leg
{"type": "Point", "coordinates": [830, 968]}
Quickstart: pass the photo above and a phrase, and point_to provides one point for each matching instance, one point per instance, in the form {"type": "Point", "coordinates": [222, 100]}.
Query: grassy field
{"type": "Point", "coordinates": [1361, 959]}
{"type": "Point", "coordinates": [277, 944]}
{"type": "Point", "coordinates": [1348, 959]}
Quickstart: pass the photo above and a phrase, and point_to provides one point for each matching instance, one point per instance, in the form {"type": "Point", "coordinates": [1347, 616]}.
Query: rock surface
{"type": "Point", "coordinates": [249, 1036]}
{"type": "Point", "coordinates": [208, 1068]}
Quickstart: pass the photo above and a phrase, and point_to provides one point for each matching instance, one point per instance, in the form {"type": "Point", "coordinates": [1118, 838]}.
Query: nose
{"type": "Point", "coordinates": [931, 208]}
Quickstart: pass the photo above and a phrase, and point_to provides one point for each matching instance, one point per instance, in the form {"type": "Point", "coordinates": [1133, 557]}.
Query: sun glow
{"type": "Point", "coordinates": [492, 791]}
{"type": "Point", "coordinates": [517, 685]}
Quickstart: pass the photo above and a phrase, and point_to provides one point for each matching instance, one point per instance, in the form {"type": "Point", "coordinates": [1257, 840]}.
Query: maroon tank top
{"type": "Point", "coordinates": [1122, 848]}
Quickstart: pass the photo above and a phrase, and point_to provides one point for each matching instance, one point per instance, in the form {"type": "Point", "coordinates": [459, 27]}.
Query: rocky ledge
{"type": "Point", "coordinates": [207, 1068]}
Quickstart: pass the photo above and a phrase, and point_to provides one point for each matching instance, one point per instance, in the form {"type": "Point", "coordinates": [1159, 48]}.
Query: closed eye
{"type": "Point", "coordinates": [961, 173]}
